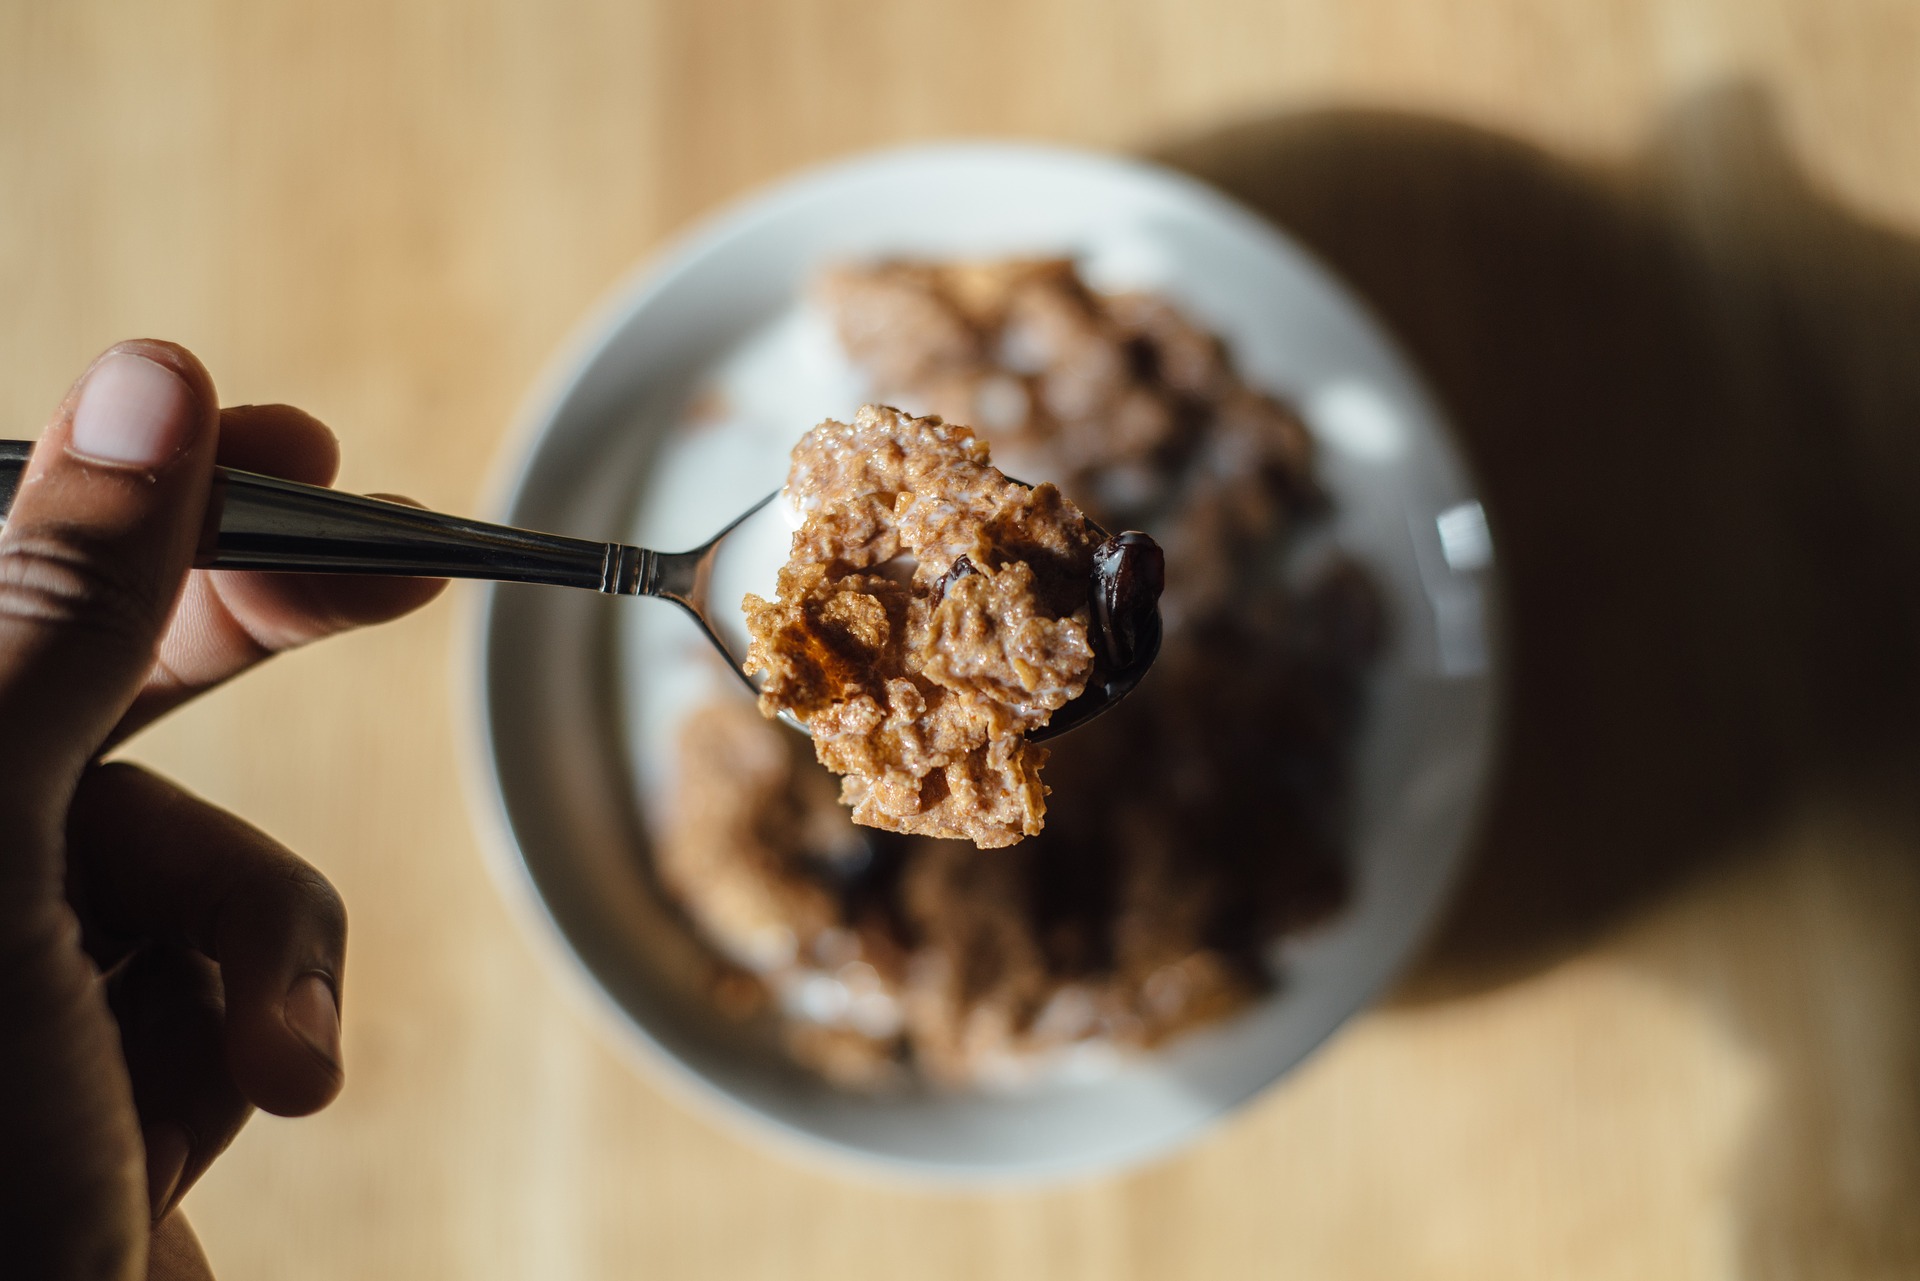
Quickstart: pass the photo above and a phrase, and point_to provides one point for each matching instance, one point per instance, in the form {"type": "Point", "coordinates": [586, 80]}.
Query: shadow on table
{"type": "Point", "coordinates": [1691, 391]}
{"type": "Point", "coordinates": [1690, 387]}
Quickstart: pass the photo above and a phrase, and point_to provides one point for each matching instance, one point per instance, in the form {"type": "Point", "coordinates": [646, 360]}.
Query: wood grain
{"type": "Point", "coordinates": [1663, 261]}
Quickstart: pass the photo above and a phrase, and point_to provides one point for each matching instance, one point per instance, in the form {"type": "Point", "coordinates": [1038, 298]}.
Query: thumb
{"type": "Point", "coordinates": [92, 556]}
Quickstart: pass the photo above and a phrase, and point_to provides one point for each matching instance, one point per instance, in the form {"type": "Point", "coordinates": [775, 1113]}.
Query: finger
{"type": "Point", "coordinates": [229, 620]}
{"type": "Point", "coordinates": [175, 1254]}
{"type": "Point", "coordinates": [279, 440]}
{"type": "Point", "coordinates": [92, 557]}
{"type": "Point", "coordinates": [149, 861]}
{"type": "Point", "coordinates": [171, 1010]}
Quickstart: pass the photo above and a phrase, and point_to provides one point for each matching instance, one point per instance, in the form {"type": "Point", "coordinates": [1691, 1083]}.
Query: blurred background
{"type": "Point", "coordinates": [1660, 258]}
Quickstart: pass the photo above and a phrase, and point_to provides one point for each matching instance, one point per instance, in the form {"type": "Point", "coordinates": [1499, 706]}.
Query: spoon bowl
{"type": "Point", "coordinates": [746, 555]}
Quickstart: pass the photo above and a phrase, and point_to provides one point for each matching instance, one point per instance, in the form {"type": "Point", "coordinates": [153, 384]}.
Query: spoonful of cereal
{"type": "Point", "coordinates": [933, 621]}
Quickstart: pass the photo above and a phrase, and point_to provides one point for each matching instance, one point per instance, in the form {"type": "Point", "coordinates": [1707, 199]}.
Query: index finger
{"type": "Point", "coordinates": [229, 620]}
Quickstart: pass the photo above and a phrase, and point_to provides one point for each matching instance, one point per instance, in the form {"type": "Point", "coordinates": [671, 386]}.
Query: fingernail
{"type": "Point", "coordinates": [167, 1150]}
{"type": "Point", "coordinates": [132, 411]}
{"type": "Point", "coordinates": [314, 1017]}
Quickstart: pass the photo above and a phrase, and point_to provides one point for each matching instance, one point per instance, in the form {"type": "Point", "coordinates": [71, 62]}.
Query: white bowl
{"type": "Point", "coordinates": [562, 712]}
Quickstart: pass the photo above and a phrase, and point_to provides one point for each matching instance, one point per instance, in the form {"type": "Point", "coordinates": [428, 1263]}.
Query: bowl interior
{"type": "Point", "coordinates": [567, 705]}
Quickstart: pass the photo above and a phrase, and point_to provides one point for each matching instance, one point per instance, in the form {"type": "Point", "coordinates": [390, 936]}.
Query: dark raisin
{"type": "Point", "coordinates": [961, 568]}
{"type": "Point", "coordinates": [1129, 573]}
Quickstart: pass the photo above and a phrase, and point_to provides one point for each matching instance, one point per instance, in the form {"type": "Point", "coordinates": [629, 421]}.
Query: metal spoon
{"type": "Point", "coordinates": [265, 523]}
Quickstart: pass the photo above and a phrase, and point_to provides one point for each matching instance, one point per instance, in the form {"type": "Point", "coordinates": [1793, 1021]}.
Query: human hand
{"type": "Point", "coordinates": [164, 968]}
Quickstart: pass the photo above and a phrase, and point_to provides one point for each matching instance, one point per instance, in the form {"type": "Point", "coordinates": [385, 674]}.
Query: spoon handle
{"type": "Point", "coordinates": [263, 522]}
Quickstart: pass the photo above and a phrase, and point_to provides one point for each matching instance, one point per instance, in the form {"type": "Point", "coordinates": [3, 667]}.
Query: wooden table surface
{"type": "Point", "coordinates": [1661, 259]}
